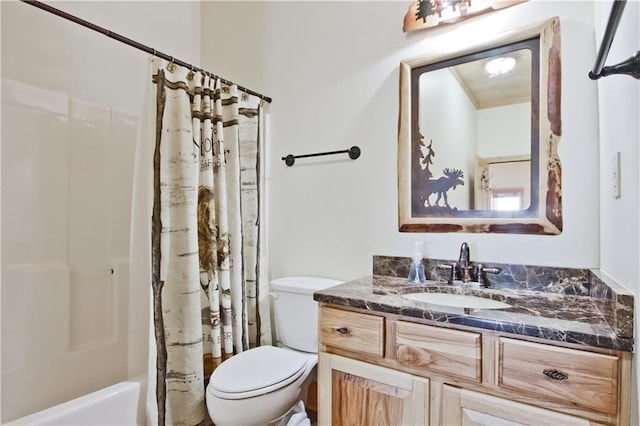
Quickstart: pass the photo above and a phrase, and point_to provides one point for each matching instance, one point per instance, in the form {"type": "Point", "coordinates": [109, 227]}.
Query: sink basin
{"type": "Point", "coordinates": [457, 300]}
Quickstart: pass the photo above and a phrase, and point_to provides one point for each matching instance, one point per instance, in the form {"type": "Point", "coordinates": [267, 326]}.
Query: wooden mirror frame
{"type": "Point", "coordinates": [545, 214]}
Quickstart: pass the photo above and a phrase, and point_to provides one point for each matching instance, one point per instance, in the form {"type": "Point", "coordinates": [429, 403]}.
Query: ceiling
{"type": "Point", "coordinates": [505, 89]}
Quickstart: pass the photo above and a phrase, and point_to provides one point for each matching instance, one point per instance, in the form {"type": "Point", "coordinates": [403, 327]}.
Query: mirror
{"type": "Point", "coordinates": [482, 129]}
{"type": "Point", "coordinates": [478, 134]}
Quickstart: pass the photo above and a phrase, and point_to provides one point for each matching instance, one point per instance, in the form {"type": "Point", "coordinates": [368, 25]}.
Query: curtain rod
{"type": "Point", "coordinates": [135, 44]}
{"type": "Point", "coordinates": [631, 66]}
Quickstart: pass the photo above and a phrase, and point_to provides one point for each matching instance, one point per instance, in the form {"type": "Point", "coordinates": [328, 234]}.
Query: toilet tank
{"type": "Point", "coordinates": [295, 311]}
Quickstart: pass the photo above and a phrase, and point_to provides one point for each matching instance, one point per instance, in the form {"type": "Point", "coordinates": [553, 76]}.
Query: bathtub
{"type": "Point", "coordinates": [119, 404]}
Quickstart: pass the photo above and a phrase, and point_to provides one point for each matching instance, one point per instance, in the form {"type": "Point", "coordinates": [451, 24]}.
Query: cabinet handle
{"type": "Point", "coordinates": [555, 375]}
{"type": "Point", "coordinates": [343, 330]}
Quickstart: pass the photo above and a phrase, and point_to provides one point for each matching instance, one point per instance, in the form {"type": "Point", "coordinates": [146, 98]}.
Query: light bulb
{"type": "Point", "coordinates": [500, 66]}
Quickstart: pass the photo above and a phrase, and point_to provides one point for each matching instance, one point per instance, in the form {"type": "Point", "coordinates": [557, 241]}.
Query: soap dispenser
{"type": "Point", "coordinates": [416, 273]}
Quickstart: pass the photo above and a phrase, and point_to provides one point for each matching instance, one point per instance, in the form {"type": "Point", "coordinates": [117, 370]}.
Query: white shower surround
{"type": "Point", "coordinates": [72, 102]}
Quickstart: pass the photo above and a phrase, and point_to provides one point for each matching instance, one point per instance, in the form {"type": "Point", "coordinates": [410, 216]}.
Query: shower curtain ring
{"type": "Point", "coordinates": [171, 67]}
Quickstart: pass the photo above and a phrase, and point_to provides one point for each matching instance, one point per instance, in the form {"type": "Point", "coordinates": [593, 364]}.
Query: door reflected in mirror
{"type": "Point", "coordinates": [503, 185]}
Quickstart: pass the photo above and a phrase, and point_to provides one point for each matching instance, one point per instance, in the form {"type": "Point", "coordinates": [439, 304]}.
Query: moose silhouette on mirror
{"type": "Point", "coordinates": [427, 186]}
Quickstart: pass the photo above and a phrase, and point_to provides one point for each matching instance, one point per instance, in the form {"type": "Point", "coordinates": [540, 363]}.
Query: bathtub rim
{"type": "Point", "coordinates": [49, 415]}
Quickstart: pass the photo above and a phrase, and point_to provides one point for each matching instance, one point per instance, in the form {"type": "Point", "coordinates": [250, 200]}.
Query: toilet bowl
{"type": "Point", "coordinates": [259, 386]}
{"type": "Point", "coordinates": [262, 385]}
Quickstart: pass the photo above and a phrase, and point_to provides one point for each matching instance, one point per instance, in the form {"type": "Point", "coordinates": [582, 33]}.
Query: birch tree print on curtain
{"type": "Point", "coordinates": [205, 245]}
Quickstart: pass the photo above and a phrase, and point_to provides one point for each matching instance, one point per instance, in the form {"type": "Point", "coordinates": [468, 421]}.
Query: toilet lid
{"type": "Point", "coordinates": [256, 369]}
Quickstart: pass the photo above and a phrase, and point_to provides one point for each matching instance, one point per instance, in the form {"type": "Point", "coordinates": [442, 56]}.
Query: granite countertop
{"type": "Point", "coordinates": [557, 317]}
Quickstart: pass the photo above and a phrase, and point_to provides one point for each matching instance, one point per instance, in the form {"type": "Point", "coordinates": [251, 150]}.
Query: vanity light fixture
{"type": "Point", "coordinates": [499, 66]}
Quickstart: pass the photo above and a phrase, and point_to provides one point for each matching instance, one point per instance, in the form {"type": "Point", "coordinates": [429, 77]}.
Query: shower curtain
{"type": "Point", "coordinates": [209, 297]}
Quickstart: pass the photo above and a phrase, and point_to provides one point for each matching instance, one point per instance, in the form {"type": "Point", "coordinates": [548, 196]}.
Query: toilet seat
{"type": "Point", "coordinates": [256, 372]}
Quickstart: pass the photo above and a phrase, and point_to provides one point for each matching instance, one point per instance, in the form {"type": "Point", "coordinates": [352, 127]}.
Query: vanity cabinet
{"type": "Point", "coordinates": [378, 368]}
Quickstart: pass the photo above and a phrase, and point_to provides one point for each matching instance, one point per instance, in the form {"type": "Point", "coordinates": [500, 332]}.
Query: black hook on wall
{"type": "Point", "coordinates": [354, 152]}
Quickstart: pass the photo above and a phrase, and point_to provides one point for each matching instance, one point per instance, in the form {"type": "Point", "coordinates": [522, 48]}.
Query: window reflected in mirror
{"type": "Point", "coordinates": [507, 199]}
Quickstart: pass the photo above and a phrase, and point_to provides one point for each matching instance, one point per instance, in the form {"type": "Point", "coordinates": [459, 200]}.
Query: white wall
{"type": "Point", "coordinates": [71, 109]}
{"type": "Point", "coordinates": [449, 120]}
{"type": "Point", "coordinates": [332, 70]}
{"type": "Point", "coordinates": [619, 109]}
{"type": "Point", "coordinates": [505, 130]}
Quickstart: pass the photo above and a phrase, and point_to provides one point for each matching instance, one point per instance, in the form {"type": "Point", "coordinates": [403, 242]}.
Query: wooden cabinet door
{"type": "Point", "coordinates": [464, 407]}
{"type": "Point", "coordinates": [352, 392]}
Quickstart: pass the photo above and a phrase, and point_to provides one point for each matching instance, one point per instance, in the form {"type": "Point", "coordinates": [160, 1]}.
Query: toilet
{"type": "Point", "coordinates": [262, 386]}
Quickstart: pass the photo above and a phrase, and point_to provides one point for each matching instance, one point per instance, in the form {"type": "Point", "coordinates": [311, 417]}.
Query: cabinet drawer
{"type": "Point", "coordinates": [454, 352]}
{"type": "Point", "coordinates": [568, 376]}
{"type": "Point", "coordinates": [352, 330]}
